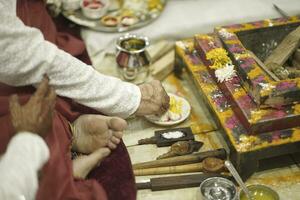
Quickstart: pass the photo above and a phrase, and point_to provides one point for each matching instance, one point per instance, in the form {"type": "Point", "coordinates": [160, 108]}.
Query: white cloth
{"type": "Point", "coordinates": [25, 155]}
{"type": "Point", "coordinates": [184, 18]}
{"type": "Point", "coordinates": [26, 56]}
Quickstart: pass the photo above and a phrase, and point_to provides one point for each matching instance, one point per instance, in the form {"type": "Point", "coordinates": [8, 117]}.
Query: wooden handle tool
{"type": "Point", "coordinates": [213, 165]}
{"type": "Point", "coordinates": [181, 160]}
{"type": "Point", "coordinates": [176, 182]}
{"type": "Point", "coordinates": [182, 148]}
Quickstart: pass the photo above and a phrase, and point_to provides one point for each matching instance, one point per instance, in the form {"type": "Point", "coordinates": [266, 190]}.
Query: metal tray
{"type": "Point", "coordinates": [78, 18]}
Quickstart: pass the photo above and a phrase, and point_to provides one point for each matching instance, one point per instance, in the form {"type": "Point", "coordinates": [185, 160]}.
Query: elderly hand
{"type": "Point", "coordinates": [154, 99]}
{"type": "Point", "coordinates": [36, 115]}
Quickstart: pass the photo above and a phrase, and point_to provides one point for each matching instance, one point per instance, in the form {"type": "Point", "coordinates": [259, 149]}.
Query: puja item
{"type": "Point", "coordinates": [116, 15]}
{"type": "Point", "coordinates": [167, 137]}
{"type": "Point", "coordinates": [131, 56]}
{"type": "Point", "coordinates": [181, 160]}
{"type": "Point", "coordinates": [129, 20]}
{"type": "Point", "coordinates": [252, 129]}
{"type": "Point", "coordinates": [238, 179]}
{"type": "Point", "coordinates": [259, 192]}
{"type": "Point", "coordinates": [94, 9]}
{"type": "Point", "coordinates": [182, 148]}
{"type": "Point", "coordinates": [218, 188]}
{"type": "Point", "coordinates": [175, 182]}
{"type": "Point", "coordinates": [210, 164]}
{"type": "Point", "coordinates": [110, 20]}
{"type": "Point", "coordinates": [178, 111]}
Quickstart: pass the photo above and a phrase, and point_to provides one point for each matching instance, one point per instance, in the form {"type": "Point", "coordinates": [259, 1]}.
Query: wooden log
{"type": "Point", "coordinates": [279, 70]}
{"type": "Point", "coordinates": [297, 55]}
{"type": "Point", "coordinates": [296, 64]}
{"type": "Point", "coordinates": [181, 160]}
{"type": "Point", "coordinates": [293, 72]}
{"type": "Point", "coordinates": [159, 49]}
{"type": "Point", "coordinates": [164, 66]}
{"type": "Point", "coordinates": [264, 67]}
{"type": "Point", "coordinates": [285, 49]}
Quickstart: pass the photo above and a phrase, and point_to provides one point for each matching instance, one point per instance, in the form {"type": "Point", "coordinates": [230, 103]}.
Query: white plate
{"type": "Point", "coordinates": [185, 112]}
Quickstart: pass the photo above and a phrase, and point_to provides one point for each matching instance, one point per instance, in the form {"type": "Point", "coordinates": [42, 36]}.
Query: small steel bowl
{"type": "Point", "coordinates": [217, 188]}
{"type": "Point", "coordinates": [94, 13]}
{"type": "Point", "coordinates": [131, 55]}
{"type": "Point", "coordinates": [259, 190]}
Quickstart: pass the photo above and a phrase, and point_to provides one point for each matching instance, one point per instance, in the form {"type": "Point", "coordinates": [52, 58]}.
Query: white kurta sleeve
{"type": "Point", "coordinates": [26, 56]}
{"type": "Point", "coordinates": [25, 155]}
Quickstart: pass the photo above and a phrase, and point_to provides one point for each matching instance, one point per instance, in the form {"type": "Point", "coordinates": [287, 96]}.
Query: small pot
{"type": "Point", "coordinates": [131, 55]}
{"type": "Point", "coordinates": [218, 188]}
{"type": "Point", "coordinates": [259, 190]}
{"type": "Point", "coordinates": [94, 9]}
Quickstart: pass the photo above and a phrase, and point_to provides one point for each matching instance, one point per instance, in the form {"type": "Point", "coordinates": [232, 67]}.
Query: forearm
{"type": "Point", "coordinates": [25, 155]}
{"type": "Point", "coordinates": [26, 57]}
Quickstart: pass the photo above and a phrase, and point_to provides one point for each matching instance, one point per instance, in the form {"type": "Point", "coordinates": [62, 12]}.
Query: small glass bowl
{"type": "Point", "coordinates": [259, 191]}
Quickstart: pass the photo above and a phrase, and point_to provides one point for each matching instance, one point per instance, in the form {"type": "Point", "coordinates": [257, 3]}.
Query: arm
{"type": "Point", "coordinates": [25, 155]}
{"type": "Point", "coordinates": [26, 56]}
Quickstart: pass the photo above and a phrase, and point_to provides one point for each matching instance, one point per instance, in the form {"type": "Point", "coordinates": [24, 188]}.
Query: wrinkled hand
{"type": "Point", "coordinates": [154, 99]}
{"type": "Point", "coordinates": [36, 115]}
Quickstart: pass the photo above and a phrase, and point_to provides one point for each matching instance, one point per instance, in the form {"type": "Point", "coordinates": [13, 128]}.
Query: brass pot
{"type": "Point", "coordinates": [131, 56]}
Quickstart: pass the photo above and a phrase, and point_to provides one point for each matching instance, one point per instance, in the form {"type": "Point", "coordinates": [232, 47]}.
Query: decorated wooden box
{"type": "Point", "coordinates": [245, 150]}
{"type": "Point", "coordinates": [261, 38]}
{"type": "Point", "coordinates": [254, 118]}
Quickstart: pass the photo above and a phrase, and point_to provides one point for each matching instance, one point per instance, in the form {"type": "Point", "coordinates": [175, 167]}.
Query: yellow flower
{"type": "Point", "coordinates": [175, 105]}
{"type": "Point", "coordinates": [296, 109]}
{"type": "Point", "coordinates": [218, 57]}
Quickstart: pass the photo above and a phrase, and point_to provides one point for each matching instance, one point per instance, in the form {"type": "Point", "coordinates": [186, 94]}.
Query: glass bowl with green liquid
{"type": "Point", "coordinates": [259, 192]}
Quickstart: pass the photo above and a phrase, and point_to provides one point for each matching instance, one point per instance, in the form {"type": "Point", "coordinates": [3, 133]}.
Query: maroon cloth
{"type": "Point", "coordinates": [114, 179]}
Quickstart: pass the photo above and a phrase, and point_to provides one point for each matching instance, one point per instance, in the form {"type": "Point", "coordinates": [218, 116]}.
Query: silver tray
{"type": "Point", "coordinates": [78, 18]}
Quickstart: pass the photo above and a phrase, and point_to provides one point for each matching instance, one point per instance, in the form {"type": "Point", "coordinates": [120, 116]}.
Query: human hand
{"type": "Point", "coordinates": [36, 115]}
{"type": "Point", "coordinates": [154, 99]}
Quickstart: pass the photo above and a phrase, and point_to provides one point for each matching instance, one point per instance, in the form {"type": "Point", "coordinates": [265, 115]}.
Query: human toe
{"type": "Point", "coordinates": [117, 124]}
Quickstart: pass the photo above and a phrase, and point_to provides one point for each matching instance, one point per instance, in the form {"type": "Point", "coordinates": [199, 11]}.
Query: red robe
{"type": "Point", "coordinates": [114, 179]}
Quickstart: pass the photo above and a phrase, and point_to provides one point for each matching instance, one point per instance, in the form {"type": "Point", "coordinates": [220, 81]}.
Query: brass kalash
{"type": "Point", "coordinates": [258, 110]}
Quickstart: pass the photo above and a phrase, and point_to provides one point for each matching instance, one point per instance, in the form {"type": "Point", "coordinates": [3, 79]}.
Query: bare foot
{"type": "Point", "coordinates": [82, 165]}
{"type": "Point", "coordinates": [95, 131]}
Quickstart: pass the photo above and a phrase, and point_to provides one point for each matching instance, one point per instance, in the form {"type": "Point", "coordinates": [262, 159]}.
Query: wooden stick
{"type": "Point", "coordinates": [285, 49]}
{"type": "Point", "coordinates": [181, 160]}
{"type": "Point", "coordinates": [196, 167]}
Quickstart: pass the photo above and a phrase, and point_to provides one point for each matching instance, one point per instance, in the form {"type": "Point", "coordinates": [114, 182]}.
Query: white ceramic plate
{"type": "Point", "coordinates": [185, 112]}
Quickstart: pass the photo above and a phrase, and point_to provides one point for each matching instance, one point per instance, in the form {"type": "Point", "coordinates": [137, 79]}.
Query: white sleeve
{"type": "Point", "coordinates": [26, 56]}
{"type": "Point", "coordinates": [25, 155]}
